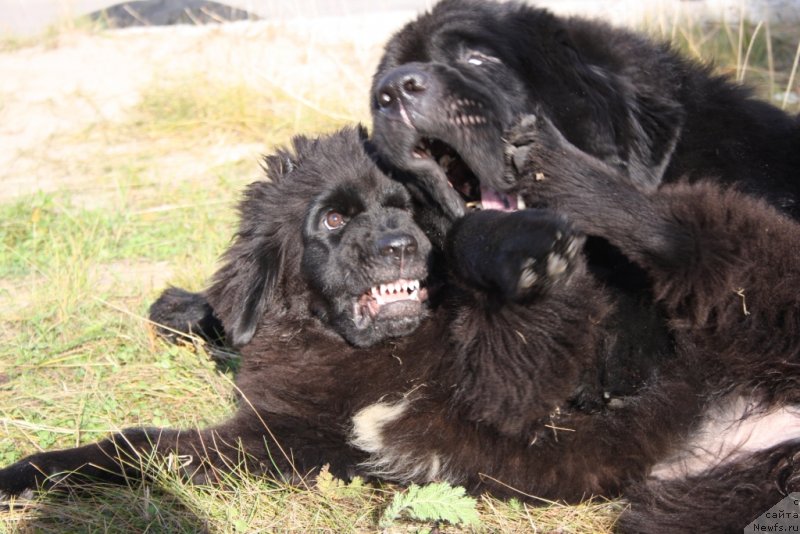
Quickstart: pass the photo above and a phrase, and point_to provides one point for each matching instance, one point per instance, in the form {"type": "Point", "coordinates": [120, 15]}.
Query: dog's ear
{"type": "Point", "coordinates": [657, 121]}
{"type": "Point", "coordinates": [280, 164]}
{"type": "Point", "coordinates": [244, 288]}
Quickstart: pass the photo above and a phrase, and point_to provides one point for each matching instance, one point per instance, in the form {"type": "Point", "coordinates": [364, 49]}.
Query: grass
{"type": "Point", "coordinates": [758, 54]}
{"type": "Point", "coordinates": [146, 199]}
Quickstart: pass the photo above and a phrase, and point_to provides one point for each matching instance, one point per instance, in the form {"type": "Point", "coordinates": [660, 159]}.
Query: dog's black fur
{"type": "Point", "coordinates": [297, 291]}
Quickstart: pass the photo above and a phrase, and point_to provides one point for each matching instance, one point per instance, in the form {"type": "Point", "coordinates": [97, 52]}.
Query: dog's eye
{"type": "Point", "coordinates": [334, 220]}
{"type": "Point", "coordinates": [479, 58]}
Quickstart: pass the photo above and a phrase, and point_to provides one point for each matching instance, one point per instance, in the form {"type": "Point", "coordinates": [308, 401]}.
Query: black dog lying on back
{"type": "Point", "coordinates": [488, 390]}
{"type": "Point", "coordinates": [326, 280]}
{"type": "Point", "coordinates": [453, 80]}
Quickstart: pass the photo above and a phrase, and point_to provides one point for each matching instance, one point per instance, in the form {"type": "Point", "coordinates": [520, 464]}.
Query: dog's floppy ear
{"type": "Point", "coordinates": [245, 287]}
{"type": "Point", "coordinates": [657, 121]}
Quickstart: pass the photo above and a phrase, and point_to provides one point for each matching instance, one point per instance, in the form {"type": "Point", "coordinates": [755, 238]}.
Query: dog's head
{"type": "Point", "coordinates": [328, 234]}
{"type": "Point", "coordinates": [452, 81]}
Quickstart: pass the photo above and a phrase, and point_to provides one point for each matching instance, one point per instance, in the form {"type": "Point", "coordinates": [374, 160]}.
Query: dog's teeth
{"type": "Point", "coordinates": [375, 293]}
{"type": "Point", "coordinates": [445, 162]}
{"type": "Point", "coordinates": [521, 203]}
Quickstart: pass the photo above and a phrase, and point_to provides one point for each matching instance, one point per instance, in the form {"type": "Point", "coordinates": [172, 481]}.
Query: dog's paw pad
{"type": "Point", "coordinates": [556, 265]}
{"type": "Point", "coordinates": [543, 253]}
{"type": "Point", "coordinates": [560, 260]}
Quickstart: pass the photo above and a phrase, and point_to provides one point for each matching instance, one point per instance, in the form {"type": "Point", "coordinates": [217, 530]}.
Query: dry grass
{"type": "Point", "coordinates": [116, 191]}
{"type": "Point", "coordinates": [761, 55]}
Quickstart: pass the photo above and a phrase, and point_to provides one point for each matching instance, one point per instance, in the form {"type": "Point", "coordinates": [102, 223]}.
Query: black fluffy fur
{"type": "Point", "coordinates": [723, 265]}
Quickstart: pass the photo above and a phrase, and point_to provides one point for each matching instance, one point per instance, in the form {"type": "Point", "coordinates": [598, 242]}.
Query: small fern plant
{"type": "Point", "coordinates": [433, 502]}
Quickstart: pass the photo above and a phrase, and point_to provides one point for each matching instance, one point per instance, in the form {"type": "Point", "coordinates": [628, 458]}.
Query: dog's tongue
{"type": "Point", "coordinates": [495, 200]}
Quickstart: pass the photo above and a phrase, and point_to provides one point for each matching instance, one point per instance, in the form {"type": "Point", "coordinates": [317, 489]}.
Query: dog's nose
{"type": "Point", "coordinates": [400, 84]}
{"type": "Point", "coordinates": [395, 246]}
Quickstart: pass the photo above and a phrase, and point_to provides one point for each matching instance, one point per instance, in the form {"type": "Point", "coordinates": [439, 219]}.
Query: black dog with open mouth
{"type": "Point", "coordinates": [452, 81]}
{"type": "Point", "coordinates": [717, 425]}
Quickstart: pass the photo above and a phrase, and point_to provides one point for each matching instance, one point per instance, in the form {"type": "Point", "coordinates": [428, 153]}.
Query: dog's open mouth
{"type": "Point", "coordinates": [475, 194]}
{"type": "Point", "coordinates": [392, 300]}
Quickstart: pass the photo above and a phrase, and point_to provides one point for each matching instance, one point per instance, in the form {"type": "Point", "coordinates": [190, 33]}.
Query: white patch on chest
{"type": "Point", "coordinates": [368, 424]}
{"type": "Point", "coordinates": [404, 460]}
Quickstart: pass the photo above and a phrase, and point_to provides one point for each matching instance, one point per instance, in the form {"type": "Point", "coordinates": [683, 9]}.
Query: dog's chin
{"type": "Point", "coordinates": [380, 314]}
{"type": "Point", "coordinates": [397, 320]}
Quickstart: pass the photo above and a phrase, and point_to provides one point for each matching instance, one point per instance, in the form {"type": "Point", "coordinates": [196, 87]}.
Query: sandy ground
{"type": "Point", "coordinates": [51, 94]}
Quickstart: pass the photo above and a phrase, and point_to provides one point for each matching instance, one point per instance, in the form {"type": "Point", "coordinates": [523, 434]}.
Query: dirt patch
{"type": "Point", "coordinates": [51, 97]}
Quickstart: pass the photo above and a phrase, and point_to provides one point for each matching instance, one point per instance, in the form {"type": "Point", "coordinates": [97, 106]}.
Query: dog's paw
{"type": "Point", "coordinates": [539, 250]}
{"type": "Point", "coordinates": [533, 147]}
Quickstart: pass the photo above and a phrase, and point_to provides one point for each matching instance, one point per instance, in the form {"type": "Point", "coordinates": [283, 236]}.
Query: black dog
{"type": "Point", "coordinates": [509, 405]}
{"type": "Point", "coordinates": [324, 287]}
{"type": "Point", "coordinates": [452, 81]}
